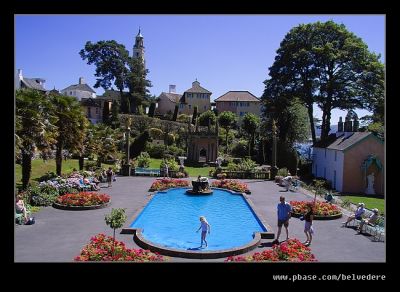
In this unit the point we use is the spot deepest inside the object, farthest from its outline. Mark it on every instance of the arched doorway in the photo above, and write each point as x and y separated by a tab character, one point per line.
203	155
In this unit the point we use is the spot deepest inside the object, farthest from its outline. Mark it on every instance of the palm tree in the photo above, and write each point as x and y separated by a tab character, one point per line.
35	127
71	125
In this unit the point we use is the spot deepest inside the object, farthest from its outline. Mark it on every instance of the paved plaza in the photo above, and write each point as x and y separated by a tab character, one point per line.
59	235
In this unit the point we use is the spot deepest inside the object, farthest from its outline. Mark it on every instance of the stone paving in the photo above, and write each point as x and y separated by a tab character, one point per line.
59	235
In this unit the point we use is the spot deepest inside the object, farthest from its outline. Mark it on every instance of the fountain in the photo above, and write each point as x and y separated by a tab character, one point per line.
200	187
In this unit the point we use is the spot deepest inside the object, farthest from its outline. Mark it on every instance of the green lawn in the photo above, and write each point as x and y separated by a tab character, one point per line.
193	171
39	168
370	203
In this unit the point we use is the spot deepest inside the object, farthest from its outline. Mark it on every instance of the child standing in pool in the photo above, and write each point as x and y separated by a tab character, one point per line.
204	226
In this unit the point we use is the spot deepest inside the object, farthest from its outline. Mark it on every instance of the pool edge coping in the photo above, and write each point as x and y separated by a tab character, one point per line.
146	244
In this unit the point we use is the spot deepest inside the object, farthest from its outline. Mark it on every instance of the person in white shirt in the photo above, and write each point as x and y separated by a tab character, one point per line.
371	220
204	226
357	214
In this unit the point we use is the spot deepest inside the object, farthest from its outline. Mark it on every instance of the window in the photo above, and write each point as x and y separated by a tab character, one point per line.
335	155
181	105
325	152
324	172
205	107
89	115
241	114
70	93
190	106
97	111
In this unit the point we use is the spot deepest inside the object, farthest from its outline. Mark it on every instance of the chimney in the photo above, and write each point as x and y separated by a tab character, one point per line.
19	72
82	80
348	125
172	88
356	124
340	125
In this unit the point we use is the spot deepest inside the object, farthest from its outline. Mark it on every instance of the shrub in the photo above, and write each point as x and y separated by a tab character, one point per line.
143	160
172	164
174	151
283	172
104	248
90	165
83	199
163	184
221	175
291	250
246	165
44	195
240	149
320	208
230	184
155	151
321	186
47	176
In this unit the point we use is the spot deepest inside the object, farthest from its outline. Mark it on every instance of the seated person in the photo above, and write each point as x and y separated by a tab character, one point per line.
92	185
20	208
287	180
371	220
328	198
357	214
103	176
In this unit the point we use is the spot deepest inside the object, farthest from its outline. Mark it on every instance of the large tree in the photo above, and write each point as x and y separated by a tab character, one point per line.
293	126
137	84
71	125
324	63
35	127
207	119
227	120
112	66
250	124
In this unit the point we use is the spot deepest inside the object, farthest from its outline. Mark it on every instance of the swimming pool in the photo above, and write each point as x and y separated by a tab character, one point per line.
171	219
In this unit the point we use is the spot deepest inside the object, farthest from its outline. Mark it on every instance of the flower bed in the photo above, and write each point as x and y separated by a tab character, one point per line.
101	246
163	184
231	184
82	201
322	210
291	250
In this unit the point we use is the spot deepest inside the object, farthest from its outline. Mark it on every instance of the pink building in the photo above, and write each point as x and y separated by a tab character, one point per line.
239	102
348	159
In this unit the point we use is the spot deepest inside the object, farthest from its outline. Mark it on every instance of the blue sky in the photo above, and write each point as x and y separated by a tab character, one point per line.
224	52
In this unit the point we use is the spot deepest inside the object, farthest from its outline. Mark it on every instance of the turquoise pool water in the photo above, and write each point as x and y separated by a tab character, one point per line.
171	219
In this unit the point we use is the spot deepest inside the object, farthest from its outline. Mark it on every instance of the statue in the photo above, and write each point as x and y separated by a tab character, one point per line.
181	160
370	187
219	161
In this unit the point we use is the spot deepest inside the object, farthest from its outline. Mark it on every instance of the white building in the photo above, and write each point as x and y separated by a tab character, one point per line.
22	82
80	90
348	157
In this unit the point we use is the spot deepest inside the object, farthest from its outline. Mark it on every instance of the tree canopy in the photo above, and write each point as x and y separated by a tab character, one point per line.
324	63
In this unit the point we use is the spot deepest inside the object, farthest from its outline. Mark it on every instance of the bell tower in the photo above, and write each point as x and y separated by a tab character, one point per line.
138	48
